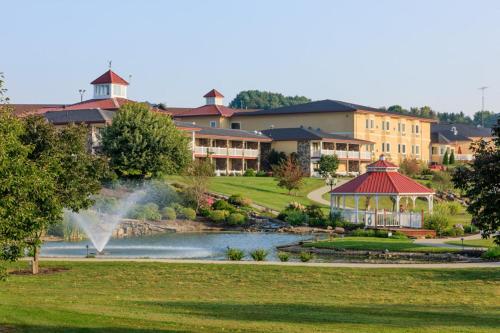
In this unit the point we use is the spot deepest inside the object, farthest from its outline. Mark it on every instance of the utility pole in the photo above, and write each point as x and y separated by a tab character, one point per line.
482	104
82	92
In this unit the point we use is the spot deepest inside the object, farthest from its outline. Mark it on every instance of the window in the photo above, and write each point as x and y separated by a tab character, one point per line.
235	125
399	148
213	124
417	150
441	151
434	150
403	149
399	127
367	124
386	147
403	127
372	123
386	125
416	129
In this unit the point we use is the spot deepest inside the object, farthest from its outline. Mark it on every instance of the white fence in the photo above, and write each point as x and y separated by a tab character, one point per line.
343	153
383	218
223	151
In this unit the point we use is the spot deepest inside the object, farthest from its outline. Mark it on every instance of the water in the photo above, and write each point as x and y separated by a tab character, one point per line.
177	245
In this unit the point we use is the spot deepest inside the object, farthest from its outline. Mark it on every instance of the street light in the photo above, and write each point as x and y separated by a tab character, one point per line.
331	181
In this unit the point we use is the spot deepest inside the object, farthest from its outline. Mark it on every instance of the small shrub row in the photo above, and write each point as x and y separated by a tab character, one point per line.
235	254
493	253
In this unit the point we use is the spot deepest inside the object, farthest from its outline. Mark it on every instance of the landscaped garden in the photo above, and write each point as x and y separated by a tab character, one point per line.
147	297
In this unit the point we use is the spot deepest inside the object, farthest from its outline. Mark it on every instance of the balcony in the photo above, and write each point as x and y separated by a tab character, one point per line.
464	157
223	151
342	154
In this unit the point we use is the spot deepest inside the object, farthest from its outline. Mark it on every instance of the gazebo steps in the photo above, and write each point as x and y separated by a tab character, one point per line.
410	232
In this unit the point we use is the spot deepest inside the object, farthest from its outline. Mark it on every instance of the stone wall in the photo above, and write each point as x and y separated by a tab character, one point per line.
304	155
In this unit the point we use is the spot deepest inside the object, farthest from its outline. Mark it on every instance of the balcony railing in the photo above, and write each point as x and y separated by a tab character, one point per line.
366	155
223	151
464	157
382	218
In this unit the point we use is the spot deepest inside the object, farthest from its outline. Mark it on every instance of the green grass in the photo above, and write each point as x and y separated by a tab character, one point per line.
474	242
155	297
377	244
262	190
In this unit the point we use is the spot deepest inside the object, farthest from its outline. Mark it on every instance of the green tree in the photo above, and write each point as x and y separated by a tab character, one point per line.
480	182
485	118
289	174
256	99
328	165
446	158
272	159
142	144
197	179
452	158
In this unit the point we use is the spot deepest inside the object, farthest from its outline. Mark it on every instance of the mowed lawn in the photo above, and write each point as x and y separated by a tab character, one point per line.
158	297
377	244
474	242
263	191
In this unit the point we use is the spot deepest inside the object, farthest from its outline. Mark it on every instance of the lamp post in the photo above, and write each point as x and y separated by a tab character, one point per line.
332	182
87	246
82	92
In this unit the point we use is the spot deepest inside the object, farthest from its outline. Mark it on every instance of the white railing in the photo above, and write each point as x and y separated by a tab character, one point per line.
366	155
344	154
235	152
251	152
383	219
316	153
199	150
464	157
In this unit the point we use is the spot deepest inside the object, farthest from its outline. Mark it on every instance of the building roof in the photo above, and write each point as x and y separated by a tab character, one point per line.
463	130
80	116
105	104
302	133
213	93
205	110
324	106
447	137
230	133
109	77
21	110
382	177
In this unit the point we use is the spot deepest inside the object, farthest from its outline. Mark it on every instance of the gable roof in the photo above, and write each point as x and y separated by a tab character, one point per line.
213	93
447	137
105	104
205	110
80	116
109	77
302	133
463	130
21	110
324	106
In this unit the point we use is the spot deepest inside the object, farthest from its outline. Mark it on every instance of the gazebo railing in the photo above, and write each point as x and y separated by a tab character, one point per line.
381	219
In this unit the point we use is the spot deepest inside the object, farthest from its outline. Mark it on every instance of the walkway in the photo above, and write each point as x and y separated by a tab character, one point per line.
317	194
440	242
274	263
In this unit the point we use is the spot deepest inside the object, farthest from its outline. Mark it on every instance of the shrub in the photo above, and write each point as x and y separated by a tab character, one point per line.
234	254
306	256
410	167
471	229
239	200
249	173
314	211
296	218
438	222
148	211
399	235
442	181
283	256
160	193
453	232
261	174
349	226
493	253
236	219
218	216
188	213
168	213
204	211
454	208
259	254
223	205
177	207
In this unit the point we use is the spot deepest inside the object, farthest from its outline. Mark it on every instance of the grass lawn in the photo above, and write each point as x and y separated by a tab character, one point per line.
262	190
474	242
157	297
377	244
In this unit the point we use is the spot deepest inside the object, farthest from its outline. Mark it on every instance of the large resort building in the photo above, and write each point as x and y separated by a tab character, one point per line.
238	139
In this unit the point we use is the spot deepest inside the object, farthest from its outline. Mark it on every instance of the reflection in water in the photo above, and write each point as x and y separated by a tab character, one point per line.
178	246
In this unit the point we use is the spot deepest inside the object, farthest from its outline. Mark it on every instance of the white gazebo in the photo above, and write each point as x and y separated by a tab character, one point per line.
381	179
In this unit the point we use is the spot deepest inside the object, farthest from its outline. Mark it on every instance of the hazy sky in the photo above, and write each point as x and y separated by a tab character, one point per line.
375	53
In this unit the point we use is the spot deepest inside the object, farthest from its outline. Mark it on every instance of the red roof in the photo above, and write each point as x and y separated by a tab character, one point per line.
22	110
382	177
109	77
206	110
213	93
104	104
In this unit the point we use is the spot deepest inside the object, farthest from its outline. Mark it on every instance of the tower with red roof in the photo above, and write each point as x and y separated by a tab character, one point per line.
109	85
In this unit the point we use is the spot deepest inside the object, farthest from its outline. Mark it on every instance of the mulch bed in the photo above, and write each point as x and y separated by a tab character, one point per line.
48	270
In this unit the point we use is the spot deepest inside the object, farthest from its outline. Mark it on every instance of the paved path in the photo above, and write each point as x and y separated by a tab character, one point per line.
317	194
274	263
440	242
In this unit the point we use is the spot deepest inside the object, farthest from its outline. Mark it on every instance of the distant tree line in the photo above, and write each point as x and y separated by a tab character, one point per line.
256	99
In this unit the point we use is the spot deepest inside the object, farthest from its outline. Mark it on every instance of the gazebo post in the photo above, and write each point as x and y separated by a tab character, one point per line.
398	210
430	201
356	200
343	202
413	199
331	203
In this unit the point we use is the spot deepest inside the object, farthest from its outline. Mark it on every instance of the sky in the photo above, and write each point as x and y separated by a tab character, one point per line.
375	53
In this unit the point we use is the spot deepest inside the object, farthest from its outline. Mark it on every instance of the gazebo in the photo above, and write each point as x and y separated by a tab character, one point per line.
382	179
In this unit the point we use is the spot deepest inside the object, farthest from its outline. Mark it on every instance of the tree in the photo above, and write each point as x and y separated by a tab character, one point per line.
410	167
445	158
272	159
480	182
142	144
256	99
457	118
289	174
452	158
328	165
197	179
485	118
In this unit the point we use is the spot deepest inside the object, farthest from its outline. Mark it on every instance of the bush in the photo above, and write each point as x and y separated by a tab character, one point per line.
453	232
399	235
219	216
236	219
160	193
349	226
493	253
249	173
314	212
410	167
239	200
188	213
436	221
204	211
454	208
261	174
369	233
168	213
234	254
471	229
259	254
306	256
148	211
283	256
442	181
296	218
223	205
177	207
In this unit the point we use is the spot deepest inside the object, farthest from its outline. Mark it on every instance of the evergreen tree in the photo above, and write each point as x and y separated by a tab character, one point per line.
256	99
445	158
452	158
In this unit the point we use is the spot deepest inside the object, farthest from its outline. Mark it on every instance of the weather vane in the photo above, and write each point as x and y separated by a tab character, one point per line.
109	62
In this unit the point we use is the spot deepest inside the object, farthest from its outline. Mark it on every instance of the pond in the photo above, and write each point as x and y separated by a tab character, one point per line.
177	245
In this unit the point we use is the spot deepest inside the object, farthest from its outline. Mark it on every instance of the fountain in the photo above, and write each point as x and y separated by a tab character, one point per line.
99	226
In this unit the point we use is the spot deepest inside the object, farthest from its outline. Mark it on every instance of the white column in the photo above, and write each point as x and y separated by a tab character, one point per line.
356	200
331	202
430	200
413	199
343	201
376	202
398	210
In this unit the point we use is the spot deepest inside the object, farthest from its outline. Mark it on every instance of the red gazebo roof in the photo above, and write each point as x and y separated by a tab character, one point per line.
213	93
382	177
109	77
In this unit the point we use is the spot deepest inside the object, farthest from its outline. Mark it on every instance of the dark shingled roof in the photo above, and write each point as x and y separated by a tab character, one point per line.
80	116
322	106
465	130
302	133
446	138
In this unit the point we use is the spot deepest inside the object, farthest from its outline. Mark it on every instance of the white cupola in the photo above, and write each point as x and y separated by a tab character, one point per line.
109	85
213	97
